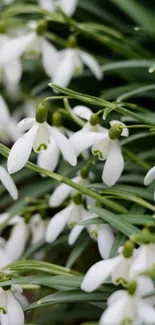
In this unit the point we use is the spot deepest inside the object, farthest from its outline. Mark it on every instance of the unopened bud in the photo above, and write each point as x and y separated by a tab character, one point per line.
41	27
132	287
84	172
115	131
41	113
128	249
94	120
72	43
57	119
77	198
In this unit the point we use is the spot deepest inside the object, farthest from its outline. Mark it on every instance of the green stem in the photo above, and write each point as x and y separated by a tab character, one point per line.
75	118
4	151
136	116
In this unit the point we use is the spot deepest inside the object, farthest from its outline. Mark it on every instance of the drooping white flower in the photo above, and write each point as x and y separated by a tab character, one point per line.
10	73
14	48
68	6
63	191
127	308
38	138
149	178
18	235
8	183
144	259
105	148
117	267
103	234
11	312
71	63
8	125
71	216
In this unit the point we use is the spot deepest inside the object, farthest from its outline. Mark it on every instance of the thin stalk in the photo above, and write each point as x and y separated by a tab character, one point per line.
4	151
136	159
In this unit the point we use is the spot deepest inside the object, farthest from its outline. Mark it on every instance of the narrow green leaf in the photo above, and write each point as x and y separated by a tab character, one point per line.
116	221
135	92
118	242
79	247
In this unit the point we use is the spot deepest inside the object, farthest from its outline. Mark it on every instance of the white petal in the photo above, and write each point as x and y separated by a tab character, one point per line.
115	296
63	74
60	194
58	223
64	145
4	112
82	111
47	4
49	58
117	312
23	301
48	159
125	131
13	72
82	140
98	273
92	64
114	165
74	234
102	148
144	285
122	269
14	48
15	311
8	183
68	6
143	260
146	313
105	240
19	235
150	176
26	124
37	227
41	138
4	258
21	150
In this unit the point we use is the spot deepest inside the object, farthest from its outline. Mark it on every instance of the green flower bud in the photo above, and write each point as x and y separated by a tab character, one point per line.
132	287
72	43
94	120
115	131
2	28
41	113
128	249
84	172
41	27
77	198
57	119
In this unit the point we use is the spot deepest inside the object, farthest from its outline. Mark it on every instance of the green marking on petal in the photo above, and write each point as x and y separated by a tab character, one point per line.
72	224
3	310
121	281
42	146
98	153
127	321
94	234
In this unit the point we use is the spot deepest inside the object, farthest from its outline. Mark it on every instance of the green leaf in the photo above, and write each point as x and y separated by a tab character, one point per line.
69	297
118	242
135	92
134	219
38	266
79	247
116	221
48	281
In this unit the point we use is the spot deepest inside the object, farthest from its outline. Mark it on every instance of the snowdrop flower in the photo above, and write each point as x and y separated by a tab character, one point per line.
106	148
71	62
38	137
10	72
31	41
116	267
68	6
71	216
149	178
8	125
128	307
144	259
8	183
63	191
18	235
103	234
11	312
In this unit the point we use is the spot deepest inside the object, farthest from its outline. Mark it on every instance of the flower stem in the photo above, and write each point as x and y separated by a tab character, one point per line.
4	151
